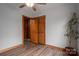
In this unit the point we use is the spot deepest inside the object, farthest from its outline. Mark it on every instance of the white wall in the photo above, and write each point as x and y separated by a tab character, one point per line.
57	16
11	24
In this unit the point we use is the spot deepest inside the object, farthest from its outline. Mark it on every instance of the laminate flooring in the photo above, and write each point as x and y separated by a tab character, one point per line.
39	50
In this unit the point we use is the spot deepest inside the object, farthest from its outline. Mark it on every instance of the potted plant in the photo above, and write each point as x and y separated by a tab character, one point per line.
72	32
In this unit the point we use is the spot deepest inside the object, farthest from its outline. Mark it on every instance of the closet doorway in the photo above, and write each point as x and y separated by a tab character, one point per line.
33	30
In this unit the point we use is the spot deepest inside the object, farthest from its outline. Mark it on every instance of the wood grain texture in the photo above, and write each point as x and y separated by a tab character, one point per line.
40	50
42	29
34	30
22	30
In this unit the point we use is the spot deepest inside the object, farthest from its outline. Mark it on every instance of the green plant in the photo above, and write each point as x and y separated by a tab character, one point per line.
72	32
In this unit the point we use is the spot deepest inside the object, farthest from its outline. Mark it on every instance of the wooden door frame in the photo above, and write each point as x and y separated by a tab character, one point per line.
45	30
23	45
23	29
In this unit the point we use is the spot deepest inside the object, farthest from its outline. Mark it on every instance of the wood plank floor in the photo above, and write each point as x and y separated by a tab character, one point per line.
39	50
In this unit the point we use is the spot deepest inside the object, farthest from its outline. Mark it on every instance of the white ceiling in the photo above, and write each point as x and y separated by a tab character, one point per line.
15	6
27	10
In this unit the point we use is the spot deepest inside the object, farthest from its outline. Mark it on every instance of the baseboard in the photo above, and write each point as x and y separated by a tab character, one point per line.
51	46
6	49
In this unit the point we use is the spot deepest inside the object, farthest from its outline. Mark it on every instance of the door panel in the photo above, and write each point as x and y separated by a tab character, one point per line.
42	30
25	27
34	38
41	27
34	30
41	38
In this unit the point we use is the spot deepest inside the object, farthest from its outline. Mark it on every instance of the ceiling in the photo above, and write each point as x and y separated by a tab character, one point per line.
28	10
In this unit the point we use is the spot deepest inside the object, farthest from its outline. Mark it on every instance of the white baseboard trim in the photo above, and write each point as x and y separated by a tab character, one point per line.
52	46
6	49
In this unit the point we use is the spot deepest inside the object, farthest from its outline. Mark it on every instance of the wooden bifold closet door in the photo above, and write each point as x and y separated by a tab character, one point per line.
37	29
42	30
34	30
